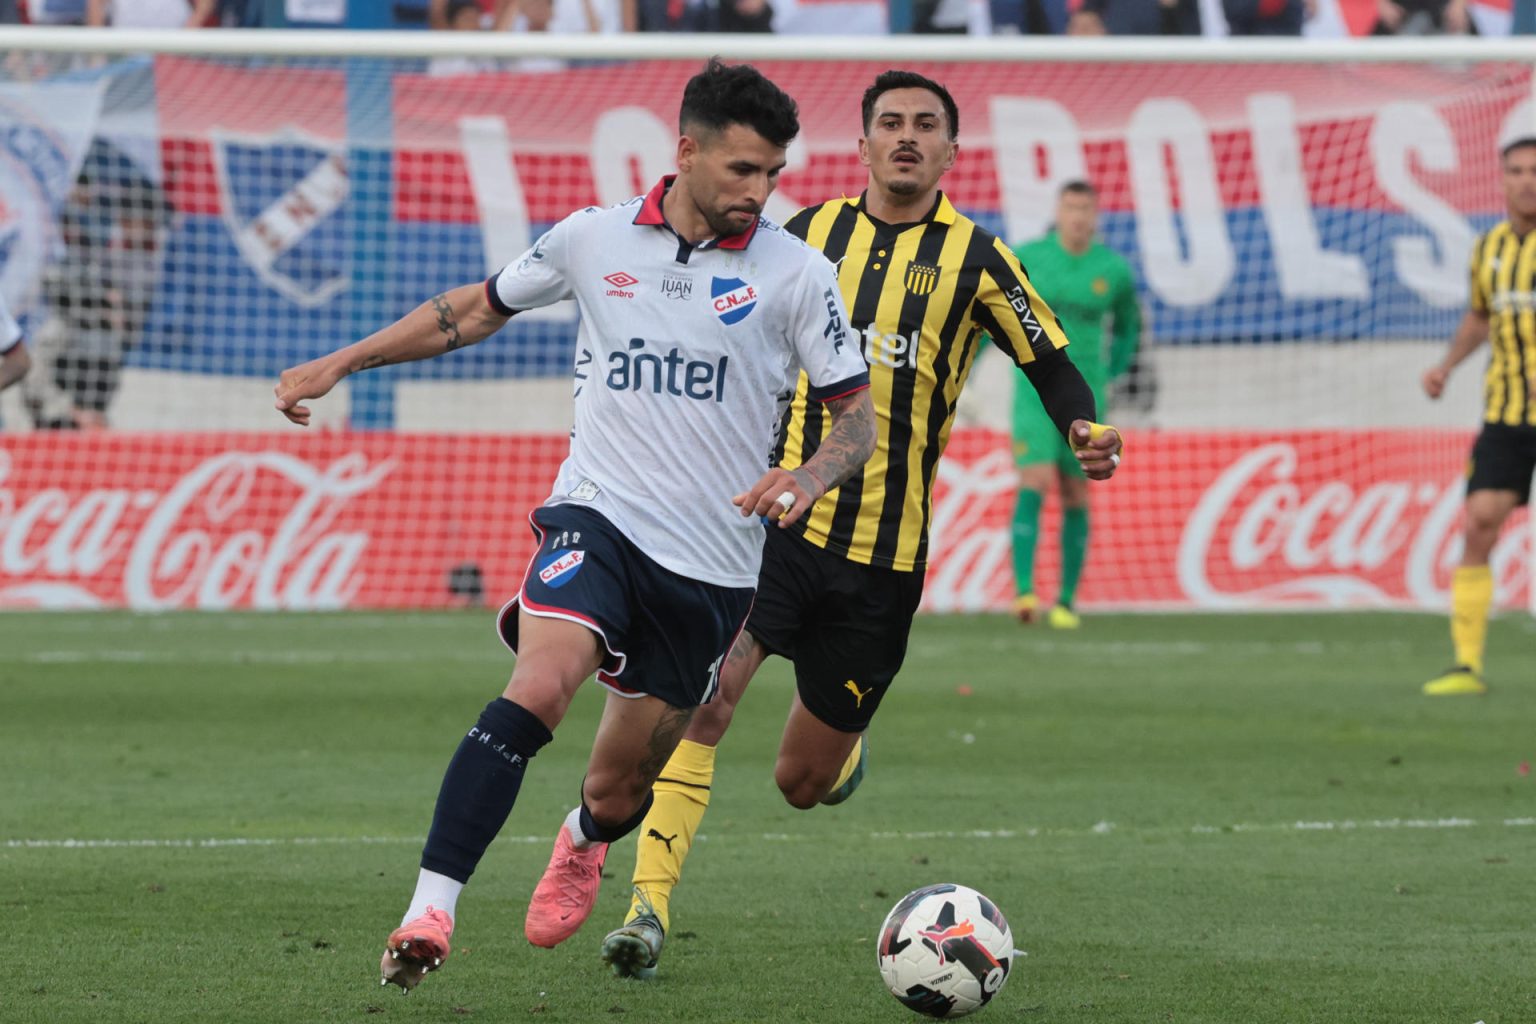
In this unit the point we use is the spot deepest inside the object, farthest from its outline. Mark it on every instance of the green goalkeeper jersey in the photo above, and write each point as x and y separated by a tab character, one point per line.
1095	297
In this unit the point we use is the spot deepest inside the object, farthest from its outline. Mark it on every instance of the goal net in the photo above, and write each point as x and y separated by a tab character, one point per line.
179	227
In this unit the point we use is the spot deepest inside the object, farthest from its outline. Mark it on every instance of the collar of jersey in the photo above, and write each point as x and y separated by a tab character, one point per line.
650	215
941	212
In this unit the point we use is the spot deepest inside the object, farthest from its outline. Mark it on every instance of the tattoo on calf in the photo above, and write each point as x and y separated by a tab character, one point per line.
668	733
446	323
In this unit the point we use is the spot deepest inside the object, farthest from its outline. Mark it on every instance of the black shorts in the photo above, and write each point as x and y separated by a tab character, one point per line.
843	624
1503	459
666	634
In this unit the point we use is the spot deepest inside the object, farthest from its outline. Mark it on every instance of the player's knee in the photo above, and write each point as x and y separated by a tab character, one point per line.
711	721
802	790
612	799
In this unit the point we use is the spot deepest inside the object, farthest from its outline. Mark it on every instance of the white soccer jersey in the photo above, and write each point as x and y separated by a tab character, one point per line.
684	359
10	330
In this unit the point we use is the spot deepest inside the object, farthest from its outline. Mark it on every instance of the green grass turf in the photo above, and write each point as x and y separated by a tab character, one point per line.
1141	782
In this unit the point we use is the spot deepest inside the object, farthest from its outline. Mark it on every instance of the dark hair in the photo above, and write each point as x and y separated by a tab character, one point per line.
1079	187
725	94
457	7
888	80
1521	143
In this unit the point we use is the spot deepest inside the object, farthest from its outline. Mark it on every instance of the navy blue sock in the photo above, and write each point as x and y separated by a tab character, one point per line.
613	833
480	787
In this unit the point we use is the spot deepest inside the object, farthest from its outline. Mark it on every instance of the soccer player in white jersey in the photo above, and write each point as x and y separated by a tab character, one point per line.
697	317
14	360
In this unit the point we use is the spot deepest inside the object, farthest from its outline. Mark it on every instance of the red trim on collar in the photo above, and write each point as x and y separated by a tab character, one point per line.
650	215
740	241
650	210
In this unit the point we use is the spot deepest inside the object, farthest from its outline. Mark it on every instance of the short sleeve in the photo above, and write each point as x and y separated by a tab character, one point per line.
819	331
10	331
539	277
1479	300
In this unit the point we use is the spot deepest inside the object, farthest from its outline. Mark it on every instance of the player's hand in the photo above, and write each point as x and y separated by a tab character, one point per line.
781	495
1097	448
1434	381
307	380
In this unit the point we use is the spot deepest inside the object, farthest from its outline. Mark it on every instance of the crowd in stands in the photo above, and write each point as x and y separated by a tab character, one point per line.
1035	17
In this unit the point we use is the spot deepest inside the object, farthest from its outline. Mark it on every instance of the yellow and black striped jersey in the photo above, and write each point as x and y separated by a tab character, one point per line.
919	297
1504	288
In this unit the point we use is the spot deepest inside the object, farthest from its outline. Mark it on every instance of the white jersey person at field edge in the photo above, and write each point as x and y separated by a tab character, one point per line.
14	359
697	317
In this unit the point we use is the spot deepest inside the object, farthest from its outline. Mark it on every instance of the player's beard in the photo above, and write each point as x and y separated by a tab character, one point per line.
724	225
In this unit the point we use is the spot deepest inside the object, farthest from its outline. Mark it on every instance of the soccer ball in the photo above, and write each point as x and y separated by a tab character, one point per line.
945	950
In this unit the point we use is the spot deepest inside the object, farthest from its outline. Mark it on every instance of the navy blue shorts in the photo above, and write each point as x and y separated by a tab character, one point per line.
666	635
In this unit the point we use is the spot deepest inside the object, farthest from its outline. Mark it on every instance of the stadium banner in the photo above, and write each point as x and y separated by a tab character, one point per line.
351	520
45	130
1256	202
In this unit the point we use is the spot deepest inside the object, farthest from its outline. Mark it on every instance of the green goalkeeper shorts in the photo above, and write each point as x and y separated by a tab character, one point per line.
1036	441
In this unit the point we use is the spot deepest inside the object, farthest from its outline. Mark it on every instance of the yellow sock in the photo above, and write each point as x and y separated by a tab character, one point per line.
848	766
682	796
1471	597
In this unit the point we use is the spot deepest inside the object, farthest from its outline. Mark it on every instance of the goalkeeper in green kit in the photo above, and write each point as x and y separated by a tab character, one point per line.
1089	286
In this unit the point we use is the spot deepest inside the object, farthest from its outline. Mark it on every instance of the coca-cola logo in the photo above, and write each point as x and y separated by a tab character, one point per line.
254	529
971	565
1270	529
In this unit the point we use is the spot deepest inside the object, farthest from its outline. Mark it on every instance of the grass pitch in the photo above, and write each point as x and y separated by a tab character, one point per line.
1201	819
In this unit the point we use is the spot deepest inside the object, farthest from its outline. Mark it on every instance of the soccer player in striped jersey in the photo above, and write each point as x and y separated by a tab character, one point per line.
837	592
1501	311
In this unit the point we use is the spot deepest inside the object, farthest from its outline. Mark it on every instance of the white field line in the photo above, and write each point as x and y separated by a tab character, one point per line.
1102	828
928	650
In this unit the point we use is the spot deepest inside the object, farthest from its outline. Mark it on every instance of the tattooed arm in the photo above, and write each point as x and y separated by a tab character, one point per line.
848	445
441	324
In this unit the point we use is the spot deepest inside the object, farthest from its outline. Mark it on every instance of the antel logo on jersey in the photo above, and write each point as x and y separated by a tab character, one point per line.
733	298
621	282
560	569
672	372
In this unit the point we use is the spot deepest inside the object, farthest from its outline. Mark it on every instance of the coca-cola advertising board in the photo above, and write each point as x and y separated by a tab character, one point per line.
1324	519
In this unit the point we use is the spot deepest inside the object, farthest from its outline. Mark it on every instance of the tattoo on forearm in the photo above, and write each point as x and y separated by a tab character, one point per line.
850	442
369	363
668	733
446	322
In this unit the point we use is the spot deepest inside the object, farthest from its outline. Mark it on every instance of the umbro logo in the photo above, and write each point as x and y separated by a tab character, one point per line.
621	283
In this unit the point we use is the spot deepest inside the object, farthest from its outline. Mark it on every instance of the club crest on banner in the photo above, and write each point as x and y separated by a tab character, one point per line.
280	196
44	132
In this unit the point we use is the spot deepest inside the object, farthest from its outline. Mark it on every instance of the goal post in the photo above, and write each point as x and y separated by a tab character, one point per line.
190	212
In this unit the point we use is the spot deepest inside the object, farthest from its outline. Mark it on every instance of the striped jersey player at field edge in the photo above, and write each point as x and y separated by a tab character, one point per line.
837	592
1503	457
649	544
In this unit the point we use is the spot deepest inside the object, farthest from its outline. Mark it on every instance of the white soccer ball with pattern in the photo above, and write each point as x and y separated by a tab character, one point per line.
945	950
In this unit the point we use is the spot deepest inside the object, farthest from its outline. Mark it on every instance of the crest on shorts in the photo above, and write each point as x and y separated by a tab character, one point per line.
561	567
280	195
